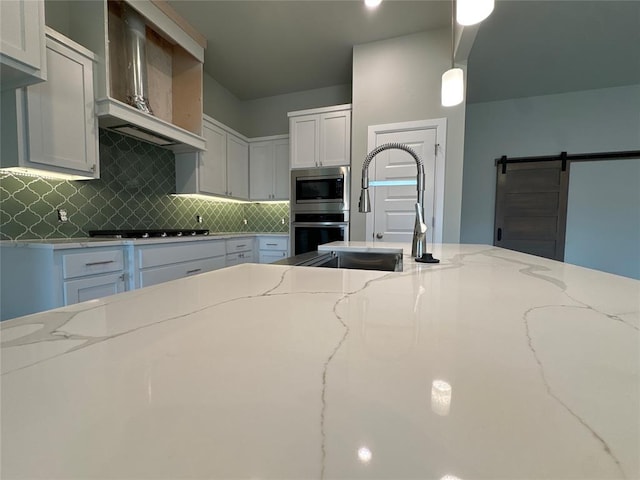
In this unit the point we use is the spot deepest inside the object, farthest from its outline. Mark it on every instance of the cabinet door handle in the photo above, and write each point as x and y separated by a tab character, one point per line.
195	270
105	262
272	244
240	246
499	235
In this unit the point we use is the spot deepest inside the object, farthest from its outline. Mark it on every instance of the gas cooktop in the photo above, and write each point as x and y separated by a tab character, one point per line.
149	233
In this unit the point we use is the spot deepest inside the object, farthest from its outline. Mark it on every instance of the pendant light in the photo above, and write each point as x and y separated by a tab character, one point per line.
470	12
453	79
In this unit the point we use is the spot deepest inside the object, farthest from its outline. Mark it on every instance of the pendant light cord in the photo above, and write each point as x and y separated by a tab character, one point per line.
453	30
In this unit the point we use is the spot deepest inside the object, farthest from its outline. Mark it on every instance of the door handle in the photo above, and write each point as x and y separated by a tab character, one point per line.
379	236
499	234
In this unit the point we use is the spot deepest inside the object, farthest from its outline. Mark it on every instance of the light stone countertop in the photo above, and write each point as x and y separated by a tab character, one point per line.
68	243
491	364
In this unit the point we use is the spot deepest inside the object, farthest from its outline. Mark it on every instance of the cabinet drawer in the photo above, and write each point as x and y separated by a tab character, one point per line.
270	257
156	255
239	245
166	273
92	262
273	243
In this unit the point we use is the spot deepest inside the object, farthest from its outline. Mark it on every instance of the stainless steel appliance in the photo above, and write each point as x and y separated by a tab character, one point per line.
319	207
320	189
308	230
148	233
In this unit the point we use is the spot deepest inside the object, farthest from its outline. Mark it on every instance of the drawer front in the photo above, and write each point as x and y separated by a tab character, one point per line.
166	254
166	273
239	245
270	257
274	243
91	262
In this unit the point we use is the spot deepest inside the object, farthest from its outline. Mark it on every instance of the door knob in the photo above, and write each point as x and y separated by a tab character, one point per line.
379	236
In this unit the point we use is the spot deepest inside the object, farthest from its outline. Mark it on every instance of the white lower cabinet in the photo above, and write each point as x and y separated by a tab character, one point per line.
92	274
239	250
40	276
37	279
272	248
170	261
84	289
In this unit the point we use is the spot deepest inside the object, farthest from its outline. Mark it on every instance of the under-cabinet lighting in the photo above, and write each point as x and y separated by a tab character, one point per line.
210	198
44	174
372	3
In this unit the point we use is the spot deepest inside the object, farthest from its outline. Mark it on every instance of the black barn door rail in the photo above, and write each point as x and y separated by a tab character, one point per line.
564	157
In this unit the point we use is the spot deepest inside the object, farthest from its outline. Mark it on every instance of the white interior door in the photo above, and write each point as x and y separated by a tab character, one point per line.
393	185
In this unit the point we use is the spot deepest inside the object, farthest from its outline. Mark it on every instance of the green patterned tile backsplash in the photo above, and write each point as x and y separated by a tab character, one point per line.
133	192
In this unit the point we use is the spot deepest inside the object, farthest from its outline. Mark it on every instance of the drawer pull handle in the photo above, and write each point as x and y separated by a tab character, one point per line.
240	246
189	272
91	264
272	244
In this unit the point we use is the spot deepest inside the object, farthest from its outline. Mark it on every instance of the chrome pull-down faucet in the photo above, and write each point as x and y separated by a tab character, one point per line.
419	240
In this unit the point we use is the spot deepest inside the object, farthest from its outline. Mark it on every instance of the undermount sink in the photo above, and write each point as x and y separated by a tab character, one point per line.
388	262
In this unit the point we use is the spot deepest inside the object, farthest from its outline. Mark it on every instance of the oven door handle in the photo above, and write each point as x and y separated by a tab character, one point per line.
320	224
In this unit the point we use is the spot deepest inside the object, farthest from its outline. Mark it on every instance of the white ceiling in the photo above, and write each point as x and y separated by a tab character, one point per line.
262	48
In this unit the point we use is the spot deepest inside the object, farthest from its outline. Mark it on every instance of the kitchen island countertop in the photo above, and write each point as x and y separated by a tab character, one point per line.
490	364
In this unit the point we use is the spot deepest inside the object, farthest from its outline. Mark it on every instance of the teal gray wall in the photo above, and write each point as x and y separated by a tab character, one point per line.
268	116
398	80
134	191
603	224
265	116
577	122
221	104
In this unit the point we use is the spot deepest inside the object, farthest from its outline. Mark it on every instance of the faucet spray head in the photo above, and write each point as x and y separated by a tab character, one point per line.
364	205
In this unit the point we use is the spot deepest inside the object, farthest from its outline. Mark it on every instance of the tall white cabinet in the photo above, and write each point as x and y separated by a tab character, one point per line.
22	51
51	126
269	168
320	137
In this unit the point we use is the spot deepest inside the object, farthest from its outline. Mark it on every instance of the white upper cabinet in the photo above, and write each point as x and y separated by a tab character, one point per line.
56	131
212	164
320	137
269	169
237	167
22	43
173	66
222	170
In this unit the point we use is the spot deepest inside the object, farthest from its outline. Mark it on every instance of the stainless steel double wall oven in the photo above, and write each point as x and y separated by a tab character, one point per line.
319	207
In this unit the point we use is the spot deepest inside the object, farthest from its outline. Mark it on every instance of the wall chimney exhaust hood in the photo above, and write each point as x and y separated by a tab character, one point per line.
150	85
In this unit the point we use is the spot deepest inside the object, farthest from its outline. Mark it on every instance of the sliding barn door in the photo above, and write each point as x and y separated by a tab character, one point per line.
531	207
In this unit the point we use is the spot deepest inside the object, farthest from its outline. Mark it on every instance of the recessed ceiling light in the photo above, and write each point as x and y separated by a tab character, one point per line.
372	3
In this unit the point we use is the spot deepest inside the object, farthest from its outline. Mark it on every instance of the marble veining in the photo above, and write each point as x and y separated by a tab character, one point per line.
265	371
